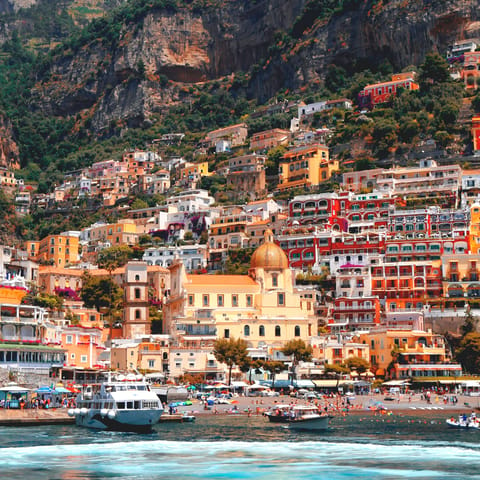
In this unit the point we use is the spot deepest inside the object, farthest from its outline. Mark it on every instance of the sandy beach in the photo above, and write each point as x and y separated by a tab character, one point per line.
402	405
412	405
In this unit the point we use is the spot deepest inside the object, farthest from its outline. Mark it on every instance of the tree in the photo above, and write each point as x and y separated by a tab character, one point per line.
230	351
44	300
273	367
434	70
476	103
299	351
358	364
468	352
469	325
138	204
114	257
102	293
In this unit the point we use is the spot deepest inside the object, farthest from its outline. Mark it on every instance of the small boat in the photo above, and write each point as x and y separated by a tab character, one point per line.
464	422
118	405
299	417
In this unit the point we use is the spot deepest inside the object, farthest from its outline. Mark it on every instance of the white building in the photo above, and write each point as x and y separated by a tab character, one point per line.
194	257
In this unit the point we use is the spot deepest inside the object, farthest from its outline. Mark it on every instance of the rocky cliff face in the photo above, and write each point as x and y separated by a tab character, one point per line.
124	85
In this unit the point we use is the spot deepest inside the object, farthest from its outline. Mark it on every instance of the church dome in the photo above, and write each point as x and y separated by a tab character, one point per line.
269	255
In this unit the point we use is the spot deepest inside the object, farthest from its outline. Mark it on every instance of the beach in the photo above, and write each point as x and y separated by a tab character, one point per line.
403	404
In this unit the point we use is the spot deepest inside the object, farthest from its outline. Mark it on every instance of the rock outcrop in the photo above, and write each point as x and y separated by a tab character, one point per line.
125	84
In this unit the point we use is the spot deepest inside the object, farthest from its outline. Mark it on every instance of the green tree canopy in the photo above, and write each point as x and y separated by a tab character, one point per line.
434	70
357	364
468	352
230	351
44	300
102	293
114	257
299	350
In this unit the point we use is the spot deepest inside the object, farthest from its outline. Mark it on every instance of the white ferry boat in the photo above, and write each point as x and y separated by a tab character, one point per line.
118	405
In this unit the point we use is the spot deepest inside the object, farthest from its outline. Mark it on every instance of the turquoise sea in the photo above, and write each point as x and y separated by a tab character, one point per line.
238	447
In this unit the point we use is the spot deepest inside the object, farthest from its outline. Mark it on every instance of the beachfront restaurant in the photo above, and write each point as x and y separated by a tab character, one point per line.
12	395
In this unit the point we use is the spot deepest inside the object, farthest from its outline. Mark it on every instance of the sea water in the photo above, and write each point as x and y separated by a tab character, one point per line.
241	447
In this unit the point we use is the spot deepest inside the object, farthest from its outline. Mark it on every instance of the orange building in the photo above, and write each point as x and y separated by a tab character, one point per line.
59	250
476	133
83	346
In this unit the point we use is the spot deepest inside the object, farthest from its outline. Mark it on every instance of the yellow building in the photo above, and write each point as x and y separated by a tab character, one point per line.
306	166
401	353
124	232
262	307
59	250
474	227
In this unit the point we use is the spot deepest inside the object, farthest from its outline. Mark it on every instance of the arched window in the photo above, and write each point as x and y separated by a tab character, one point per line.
275	280
261	331
137	314
246	330
137	278
297	331
137	293
278	331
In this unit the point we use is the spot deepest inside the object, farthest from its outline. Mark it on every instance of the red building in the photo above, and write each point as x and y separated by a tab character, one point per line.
377	93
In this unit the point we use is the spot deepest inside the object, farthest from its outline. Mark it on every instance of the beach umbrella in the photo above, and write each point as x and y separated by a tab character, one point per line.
191	387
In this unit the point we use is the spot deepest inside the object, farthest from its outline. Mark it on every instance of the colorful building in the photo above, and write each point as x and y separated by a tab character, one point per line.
377	93
262	308
59	250
306	166
417	355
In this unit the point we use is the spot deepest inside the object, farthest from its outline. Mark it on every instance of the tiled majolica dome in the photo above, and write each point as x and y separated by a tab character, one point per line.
269	255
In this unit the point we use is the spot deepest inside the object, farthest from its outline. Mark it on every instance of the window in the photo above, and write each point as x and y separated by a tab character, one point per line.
261	331
297	331
226	333
137	293
278	331
72	356
83	359
137	278
206	300
151	363
69	339
220	300
275	280
137	314
281	299
235	300
190	300
246	330
249	300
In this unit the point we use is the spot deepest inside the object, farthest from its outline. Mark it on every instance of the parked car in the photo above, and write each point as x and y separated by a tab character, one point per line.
269	393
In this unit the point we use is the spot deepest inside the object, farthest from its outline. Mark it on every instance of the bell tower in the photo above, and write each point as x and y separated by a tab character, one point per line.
136	321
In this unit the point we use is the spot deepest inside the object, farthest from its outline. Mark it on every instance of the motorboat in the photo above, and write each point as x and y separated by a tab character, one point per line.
299	417
464	421
123	405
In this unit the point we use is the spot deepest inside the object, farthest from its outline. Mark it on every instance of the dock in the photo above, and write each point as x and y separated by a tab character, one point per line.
31	417
176	417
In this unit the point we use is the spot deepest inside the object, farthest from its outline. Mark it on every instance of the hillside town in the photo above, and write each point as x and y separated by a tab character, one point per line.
377	264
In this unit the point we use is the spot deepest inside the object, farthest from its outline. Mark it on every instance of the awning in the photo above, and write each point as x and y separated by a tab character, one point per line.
332	383
14	388
395	383
304	383
239	384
